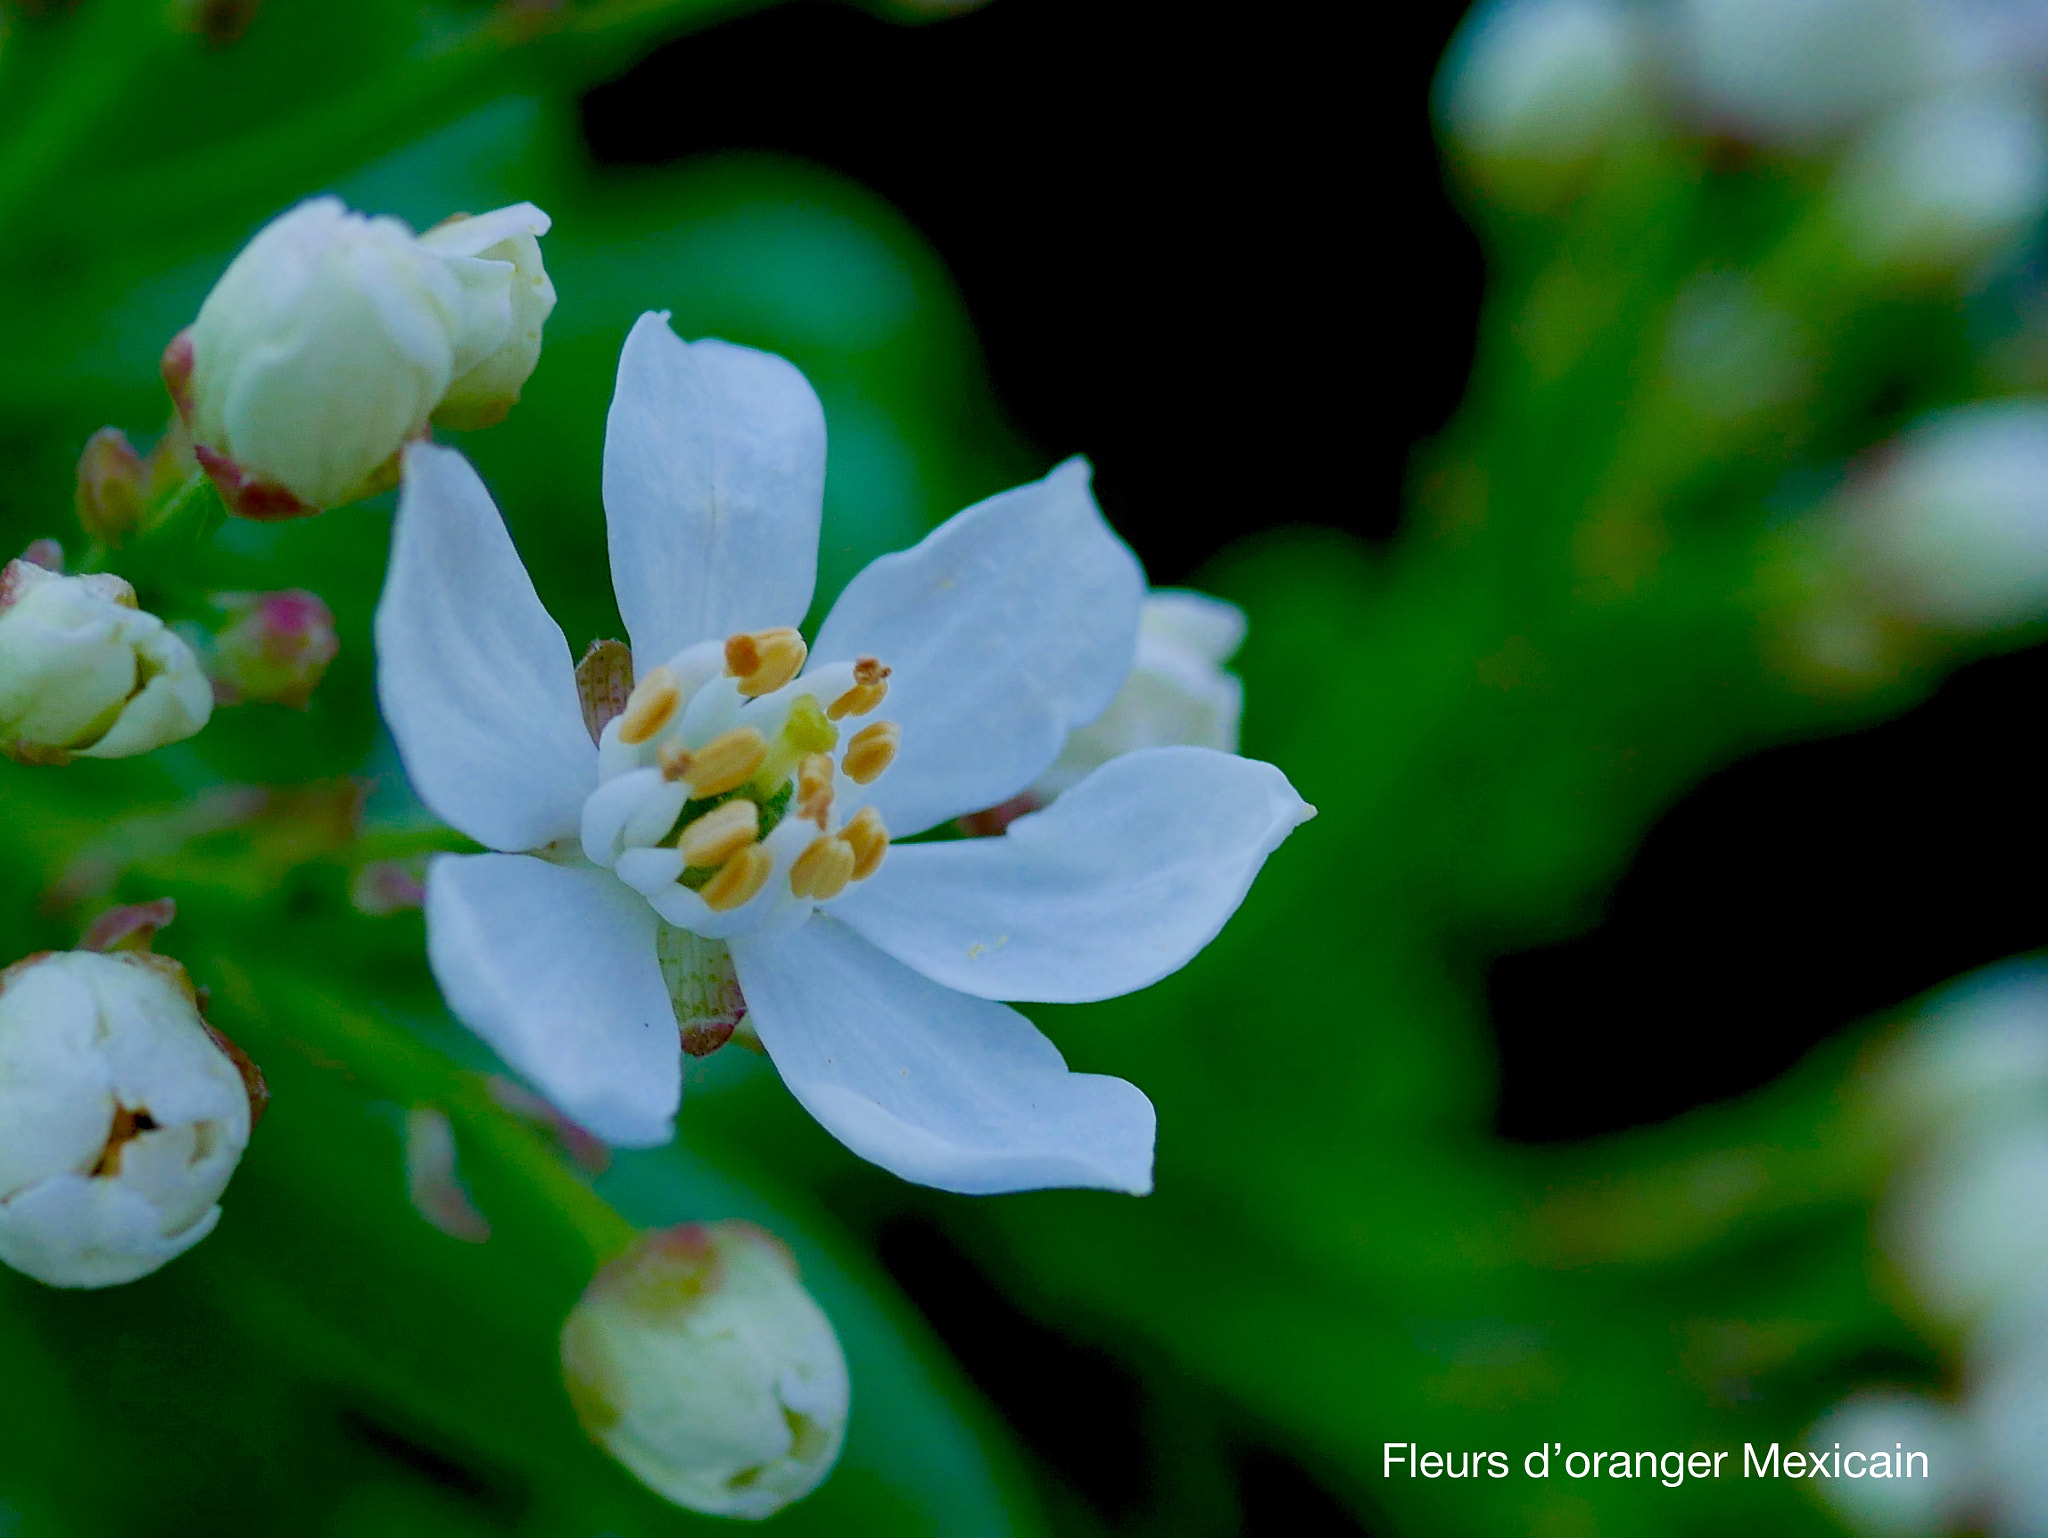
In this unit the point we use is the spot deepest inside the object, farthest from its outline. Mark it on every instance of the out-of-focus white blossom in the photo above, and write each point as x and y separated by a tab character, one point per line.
1952	530
1534	84
334	338
1894	1424
1177	692
1794	70
698	1360
1948	181
121	1117
84	671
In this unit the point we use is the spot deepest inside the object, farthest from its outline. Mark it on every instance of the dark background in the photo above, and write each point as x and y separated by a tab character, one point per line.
1215	253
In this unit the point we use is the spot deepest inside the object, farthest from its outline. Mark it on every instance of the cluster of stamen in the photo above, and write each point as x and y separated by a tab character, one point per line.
742	783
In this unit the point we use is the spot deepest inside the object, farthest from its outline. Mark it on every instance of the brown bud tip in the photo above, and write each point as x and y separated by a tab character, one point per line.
112	486
246	496
46	553
177	371
132	927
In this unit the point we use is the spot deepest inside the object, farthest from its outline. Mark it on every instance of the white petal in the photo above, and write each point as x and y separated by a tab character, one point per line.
1208	627
476	235
554	966
1008	626
474	677
714	481
932	1085
1119	882
74	1231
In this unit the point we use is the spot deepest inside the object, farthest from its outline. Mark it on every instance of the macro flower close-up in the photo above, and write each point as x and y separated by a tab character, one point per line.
810	764
713	837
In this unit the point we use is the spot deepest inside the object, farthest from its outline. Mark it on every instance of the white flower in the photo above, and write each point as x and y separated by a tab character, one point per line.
334	338
1539	82
121	1119
1947	181
1797	69
1177	691
871	982
83	671
1888	1424
1952	530
699	1362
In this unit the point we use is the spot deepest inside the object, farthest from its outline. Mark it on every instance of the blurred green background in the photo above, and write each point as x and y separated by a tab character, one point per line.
1627	1208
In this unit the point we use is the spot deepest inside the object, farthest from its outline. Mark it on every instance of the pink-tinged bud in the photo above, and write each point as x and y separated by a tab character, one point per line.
131	927
384	887
112	486
46	553
274	649
260	501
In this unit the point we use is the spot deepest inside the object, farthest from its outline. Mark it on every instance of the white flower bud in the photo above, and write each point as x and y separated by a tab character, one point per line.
1952	532
699	1362
121	1117
501	342
1177	691
83	671
1948	181
333	339
1941	1490
1794	70
1528	84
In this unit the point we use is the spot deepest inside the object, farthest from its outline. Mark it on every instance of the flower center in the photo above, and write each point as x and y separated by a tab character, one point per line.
725	777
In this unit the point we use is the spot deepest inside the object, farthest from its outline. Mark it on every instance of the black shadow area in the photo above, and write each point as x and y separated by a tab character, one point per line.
1783	899
1208	247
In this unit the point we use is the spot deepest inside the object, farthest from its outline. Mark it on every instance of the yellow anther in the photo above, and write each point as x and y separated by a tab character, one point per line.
870	688
869	841
675	762
814	788
872	750
720	834
765	660
738	879
650	706
726	762
823	869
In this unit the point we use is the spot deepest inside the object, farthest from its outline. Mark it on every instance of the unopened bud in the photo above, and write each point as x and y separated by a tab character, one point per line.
1792	71
1177	691
121	1117
1951	531
698	1360
502	343
1947	182
1532	88
333	339
112	486
83	671
274	648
